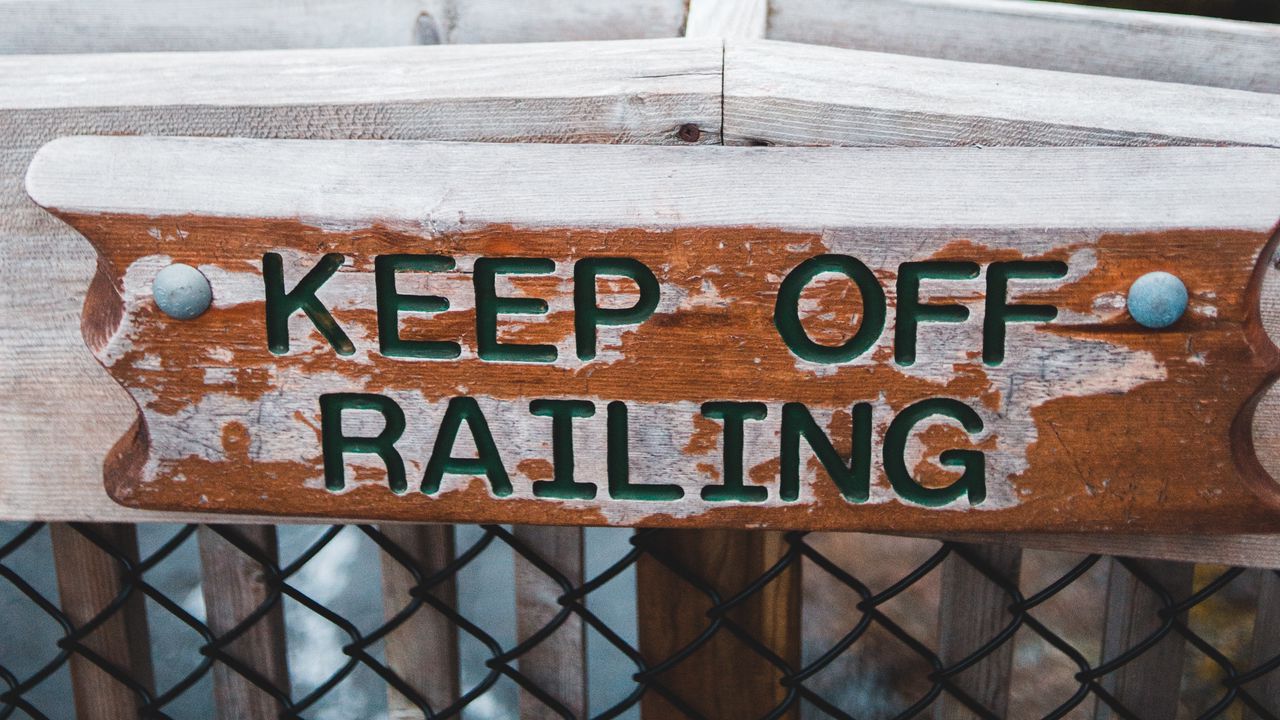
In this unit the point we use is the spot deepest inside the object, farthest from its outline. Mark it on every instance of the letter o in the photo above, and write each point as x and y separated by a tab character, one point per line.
786	312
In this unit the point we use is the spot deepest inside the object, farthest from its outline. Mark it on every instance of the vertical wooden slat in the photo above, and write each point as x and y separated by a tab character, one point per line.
88	581
1266	643
738	19
558	663
972	611
723	678
1147	685
234	586
424	650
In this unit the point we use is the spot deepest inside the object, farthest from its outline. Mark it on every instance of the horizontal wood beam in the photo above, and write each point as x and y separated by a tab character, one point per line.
655	188
69	390
62	413
779	93
792	94
454	195
1044	35
87	26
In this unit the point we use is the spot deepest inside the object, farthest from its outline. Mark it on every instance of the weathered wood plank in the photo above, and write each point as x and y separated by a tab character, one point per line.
779	93
86	26
423	651
1045	35
89	580
1148	684
1260	551
654	188
77	494
197	449
1266	644
235	587
557	664
744	19
490	21
618	92
790	94
675	613
975	611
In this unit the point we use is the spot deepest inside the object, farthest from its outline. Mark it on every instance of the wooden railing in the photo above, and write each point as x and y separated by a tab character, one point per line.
730	83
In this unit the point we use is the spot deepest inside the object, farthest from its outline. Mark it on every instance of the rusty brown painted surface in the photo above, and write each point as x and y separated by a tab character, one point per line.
1091	422
1122	457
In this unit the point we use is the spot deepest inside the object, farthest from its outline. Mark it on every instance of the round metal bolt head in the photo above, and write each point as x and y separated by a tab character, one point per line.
182	292
1157	299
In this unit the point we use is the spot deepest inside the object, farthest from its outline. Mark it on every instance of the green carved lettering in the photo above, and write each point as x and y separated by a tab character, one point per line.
620	485
587	316
911	311
1000	313
854	479
280	305
786	314
732	488
973	480
489	306
488	462
391	303
334	443
562	485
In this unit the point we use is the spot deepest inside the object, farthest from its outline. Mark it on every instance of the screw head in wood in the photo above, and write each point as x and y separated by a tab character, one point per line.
689	132
182	292
1157	299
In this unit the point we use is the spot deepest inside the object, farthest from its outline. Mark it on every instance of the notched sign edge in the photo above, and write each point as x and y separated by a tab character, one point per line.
1266	347
105	309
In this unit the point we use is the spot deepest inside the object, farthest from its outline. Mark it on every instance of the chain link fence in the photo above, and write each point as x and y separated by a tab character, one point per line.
870	642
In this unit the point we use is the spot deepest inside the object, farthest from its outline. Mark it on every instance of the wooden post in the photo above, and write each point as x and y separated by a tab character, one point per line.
973	611
558	663
424	650
235	586
723	678
744	19
1147	685
88	581
1266	643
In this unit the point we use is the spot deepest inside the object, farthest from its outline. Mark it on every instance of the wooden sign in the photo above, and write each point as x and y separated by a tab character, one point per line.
922	340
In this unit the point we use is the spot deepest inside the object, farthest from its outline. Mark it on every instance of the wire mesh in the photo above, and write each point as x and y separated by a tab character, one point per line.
862	630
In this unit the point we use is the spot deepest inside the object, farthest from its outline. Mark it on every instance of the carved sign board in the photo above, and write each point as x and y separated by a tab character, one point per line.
922	340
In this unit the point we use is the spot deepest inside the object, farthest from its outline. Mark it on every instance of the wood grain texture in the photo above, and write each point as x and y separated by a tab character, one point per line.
778	93
676	613
1147	685
790	94
86	26
89	581
1098	383
622	92
63	263
235	587
743	19
1266	645
651	188
977	612
1260	551
558	663
423	651
1044	35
